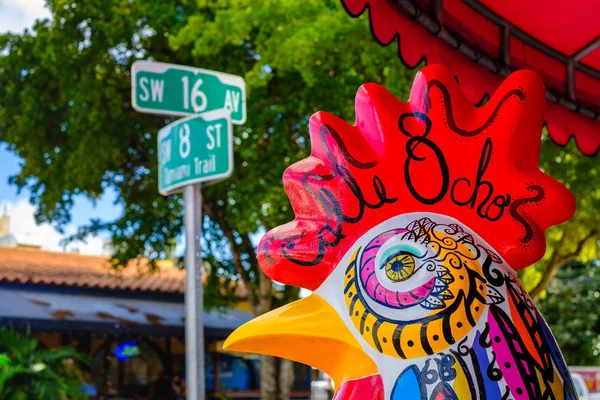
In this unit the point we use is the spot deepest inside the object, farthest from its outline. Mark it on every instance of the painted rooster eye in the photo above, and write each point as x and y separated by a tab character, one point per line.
399	267
416	289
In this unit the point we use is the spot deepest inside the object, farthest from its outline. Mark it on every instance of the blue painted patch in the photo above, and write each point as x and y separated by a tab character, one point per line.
492	391
408	385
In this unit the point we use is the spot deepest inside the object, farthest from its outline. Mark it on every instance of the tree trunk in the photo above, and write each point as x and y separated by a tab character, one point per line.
276	378
276	375
559	258
268	378
551	269
286	379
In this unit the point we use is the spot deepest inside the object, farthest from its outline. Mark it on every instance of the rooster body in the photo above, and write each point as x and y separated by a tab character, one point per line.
410	227
493	345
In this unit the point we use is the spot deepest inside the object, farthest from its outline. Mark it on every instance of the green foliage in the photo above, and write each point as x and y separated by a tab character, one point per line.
582	176
28	371
65	108
578	238
571	310
571	300
297	58
579	173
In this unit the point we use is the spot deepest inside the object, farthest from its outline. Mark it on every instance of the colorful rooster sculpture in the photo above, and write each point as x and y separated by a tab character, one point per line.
410	227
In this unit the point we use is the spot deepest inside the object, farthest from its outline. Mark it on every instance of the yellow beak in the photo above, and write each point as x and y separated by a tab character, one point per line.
309	331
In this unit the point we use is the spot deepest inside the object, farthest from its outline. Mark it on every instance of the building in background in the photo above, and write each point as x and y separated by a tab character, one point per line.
12	239
131	322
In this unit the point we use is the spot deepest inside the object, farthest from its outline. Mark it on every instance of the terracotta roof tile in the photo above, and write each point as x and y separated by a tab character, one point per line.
31	266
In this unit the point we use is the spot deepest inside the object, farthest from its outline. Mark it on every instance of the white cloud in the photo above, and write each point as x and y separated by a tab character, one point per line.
22	225
16	15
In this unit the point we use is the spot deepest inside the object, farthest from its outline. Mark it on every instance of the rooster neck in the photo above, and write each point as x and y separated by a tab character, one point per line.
507	353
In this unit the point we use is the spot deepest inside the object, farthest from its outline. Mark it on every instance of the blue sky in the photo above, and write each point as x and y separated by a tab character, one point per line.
16	15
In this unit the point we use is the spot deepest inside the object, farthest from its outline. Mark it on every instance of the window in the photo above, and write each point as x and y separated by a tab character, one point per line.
235	373
130	377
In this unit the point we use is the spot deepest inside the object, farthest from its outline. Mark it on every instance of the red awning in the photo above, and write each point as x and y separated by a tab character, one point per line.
481	42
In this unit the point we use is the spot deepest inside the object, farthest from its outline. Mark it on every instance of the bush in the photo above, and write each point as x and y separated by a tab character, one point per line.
30	372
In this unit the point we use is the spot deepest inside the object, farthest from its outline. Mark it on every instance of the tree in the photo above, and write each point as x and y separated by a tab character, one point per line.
28	371
65	109
578	238
571	310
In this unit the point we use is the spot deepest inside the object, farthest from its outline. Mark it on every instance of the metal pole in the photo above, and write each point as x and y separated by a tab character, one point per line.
194	326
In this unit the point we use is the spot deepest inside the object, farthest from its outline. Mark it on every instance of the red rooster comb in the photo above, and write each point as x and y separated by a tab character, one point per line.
437	153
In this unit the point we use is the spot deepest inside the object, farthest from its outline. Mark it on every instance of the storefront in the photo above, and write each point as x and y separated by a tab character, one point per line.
132	326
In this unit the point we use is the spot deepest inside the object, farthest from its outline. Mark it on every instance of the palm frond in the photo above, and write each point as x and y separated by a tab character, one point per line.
37	373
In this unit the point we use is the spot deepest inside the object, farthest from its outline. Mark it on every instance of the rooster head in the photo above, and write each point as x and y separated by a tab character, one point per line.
409	228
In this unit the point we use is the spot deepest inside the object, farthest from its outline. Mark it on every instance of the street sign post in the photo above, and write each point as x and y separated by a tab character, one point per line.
194	302
194	150
191	151
170	89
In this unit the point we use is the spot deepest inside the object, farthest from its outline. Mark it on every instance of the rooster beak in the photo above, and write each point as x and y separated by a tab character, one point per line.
309	331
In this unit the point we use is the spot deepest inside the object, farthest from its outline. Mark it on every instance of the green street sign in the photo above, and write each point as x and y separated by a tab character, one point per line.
195	149
159	88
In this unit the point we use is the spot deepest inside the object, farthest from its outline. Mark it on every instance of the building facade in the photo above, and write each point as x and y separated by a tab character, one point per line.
131	323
